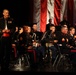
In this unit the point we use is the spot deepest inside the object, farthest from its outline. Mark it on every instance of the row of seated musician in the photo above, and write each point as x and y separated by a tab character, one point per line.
26	41
50	39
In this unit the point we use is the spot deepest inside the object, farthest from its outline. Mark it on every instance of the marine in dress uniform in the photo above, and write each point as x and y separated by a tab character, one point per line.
7	28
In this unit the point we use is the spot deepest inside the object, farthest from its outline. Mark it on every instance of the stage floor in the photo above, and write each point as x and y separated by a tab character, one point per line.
43	67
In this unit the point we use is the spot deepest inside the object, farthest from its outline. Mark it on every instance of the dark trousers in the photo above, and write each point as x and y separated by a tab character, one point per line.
54	53
5	53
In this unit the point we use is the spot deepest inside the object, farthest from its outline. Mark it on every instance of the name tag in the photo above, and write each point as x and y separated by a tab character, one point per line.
9	22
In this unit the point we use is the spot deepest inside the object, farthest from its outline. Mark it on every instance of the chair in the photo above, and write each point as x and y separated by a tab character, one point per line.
34	53
15	51
73	51
62	61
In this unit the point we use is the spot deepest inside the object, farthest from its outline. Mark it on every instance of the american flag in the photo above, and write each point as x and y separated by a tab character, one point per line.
54	9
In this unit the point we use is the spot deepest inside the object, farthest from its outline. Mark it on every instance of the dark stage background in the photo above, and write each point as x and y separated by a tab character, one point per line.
20	10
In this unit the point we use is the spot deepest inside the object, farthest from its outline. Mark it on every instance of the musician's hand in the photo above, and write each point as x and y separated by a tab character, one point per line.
34	42
5	30
38	44
13	45
63	39
30	47
71	46
55	41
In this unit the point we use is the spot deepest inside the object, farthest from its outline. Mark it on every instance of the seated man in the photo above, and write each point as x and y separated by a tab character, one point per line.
49	24
36	39
72	38
24	42
63	40
50	38
72	45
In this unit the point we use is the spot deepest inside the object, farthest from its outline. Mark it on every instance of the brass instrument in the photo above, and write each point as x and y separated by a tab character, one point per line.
35	41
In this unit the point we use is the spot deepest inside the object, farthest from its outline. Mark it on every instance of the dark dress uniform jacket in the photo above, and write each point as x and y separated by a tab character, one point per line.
5	42
64	48
10	25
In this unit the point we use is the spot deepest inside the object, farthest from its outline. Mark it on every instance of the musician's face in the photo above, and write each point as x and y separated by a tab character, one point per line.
16	29
34	27
72	31
52	29
21	30
6	13
64	30
29	29
50	21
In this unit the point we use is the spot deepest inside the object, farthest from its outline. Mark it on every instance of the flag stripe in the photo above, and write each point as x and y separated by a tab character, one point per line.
54	9
36	13
57	5
74	12
43	15
70	11
63	9
50	10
